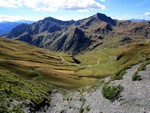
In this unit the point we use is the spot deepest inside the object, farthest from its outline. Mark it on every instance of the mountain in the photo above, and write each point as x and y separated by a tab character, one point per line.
6	27
110	57
83	35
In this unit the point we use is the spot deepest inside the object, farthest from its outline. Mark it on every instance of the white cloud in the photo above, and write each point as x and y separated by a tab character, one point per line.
65	18
8	3
103	0
16	18
124	17
53	5
147	14
84	10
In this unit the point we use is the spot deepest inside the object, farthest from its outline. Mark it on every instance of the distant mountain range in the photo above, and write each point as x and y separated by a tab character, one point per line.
139	20
6	26
82	35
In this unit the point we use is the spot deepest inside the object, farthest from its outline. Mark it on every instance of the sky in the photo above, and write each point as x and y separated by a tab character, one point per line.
15	10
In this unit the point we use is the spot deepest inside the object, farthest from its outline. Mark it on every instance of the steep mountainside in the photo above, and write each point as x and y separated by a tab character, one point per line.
77	36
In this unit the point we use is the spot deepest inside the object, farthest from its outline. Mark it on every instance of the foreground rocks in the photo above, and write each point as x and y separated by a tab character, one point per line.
135	97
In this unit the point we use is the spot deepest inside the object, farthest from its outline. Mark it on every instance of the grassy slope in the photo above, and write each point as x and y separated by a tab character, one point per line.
40	64
27	72
109	61
45	66
13	87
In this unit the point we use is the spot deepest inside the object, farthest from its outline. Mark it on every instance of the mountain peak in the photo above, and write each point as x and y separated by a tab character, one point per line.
100	14
105	18
57	21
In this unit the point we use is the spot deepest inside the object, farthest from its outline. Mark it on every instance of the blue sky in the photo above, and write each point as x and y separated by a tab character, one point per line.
13	10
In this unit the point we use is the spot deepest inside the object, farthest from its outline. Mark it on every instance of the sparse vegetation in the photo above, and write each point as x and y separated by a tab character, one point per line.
17	109
119	75
87	108
81	110
111	92
136	77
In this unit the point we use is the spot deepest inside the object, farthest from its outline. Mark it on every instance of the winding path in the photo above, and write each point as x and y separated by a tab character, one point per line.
67	61
98	61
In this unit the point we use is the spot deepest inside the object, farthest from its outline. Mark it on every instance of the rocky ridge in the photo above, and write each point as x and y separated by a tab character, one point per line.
91	32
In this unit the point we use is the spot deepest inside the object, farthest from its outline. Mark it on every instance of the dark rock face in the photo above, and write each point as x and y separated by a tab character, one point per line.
26	38
90	21
20	29
75	42
37	107
106	19
54	28
60	44
78	42
38	41
104	30
125	40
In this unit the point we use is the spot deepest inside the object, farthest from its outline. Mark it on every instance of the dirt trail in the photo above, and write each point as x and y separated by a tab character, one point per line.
97	63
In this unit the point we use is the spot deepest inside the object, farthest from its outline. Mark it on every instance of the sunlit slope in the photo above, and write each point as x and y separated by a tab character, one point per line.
40	64
111	61
60	69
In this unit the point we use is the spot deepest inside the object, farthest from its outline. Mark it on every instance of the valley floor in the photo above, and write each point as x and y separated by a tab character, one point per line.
135	97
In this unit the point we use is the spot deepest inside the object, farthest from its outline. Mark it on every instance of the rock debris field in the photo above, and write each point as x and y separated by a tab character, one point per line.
134	98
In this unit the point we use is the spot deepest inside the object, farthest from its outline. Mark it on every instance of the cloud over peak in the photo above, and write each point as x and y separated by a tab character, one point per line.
53	5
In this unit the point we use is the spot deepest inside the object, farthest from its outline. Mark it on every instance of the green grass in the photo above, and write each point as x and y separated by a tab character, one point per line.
81	110
111	92
40	64
14	87
87	109
109	62
45	66
119	75
137	77
28	72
